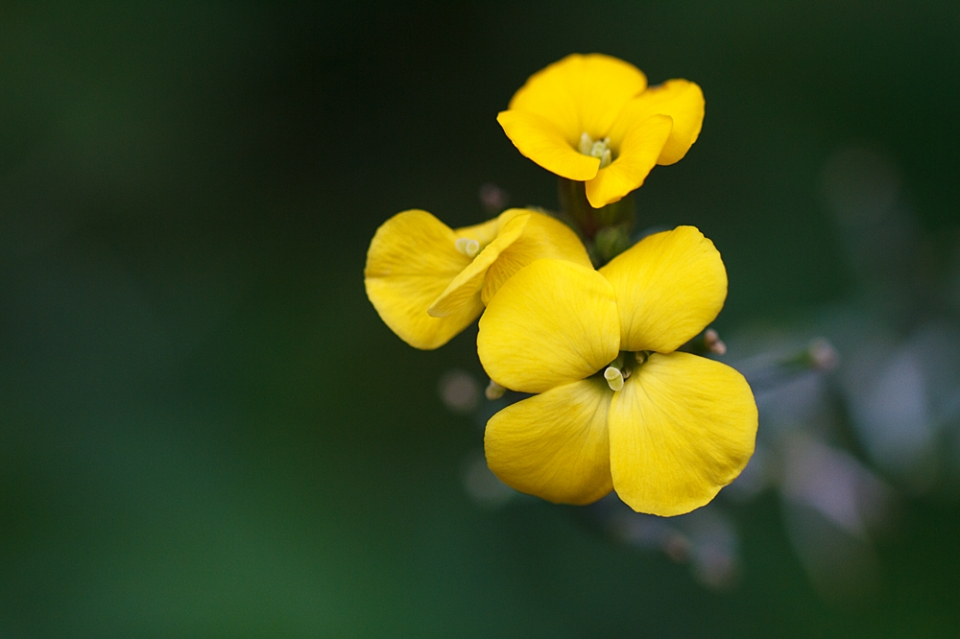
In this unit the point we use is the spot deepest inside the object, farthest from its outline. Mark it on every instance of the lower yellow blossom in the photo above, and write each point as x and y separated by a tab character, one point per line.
428	282
616	406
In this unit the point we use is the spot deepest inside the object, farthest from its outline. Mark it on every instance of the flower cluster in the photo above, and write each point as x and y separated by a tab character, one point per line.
613	405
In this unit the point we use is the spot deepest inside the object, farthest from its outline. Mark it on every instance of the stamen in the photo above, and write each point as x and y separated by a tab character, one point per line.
494	390
641	356
586	143
467	247
605	159
599	149
614	378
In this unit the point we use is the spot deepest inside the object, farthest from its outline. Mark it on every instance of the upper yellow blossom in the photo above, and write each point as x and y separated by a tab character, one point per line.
592	118
618	407
428	281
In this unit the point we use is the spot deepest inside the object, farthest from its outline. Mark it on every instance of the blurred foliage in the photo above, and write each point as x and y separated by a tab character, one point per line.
206	431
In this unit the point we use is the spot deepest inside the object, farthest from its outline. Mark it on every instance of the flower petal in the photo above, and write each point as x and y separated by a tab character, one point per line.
542	237
543	142
465	288
411	260
486	232
580	93
552	323
637	155
669	286
554	445
682	428
681	100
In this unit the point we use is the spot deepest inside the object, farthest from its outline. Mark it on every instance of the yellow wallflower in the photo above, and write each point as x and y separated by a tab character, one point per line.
617	407
428	281
592	118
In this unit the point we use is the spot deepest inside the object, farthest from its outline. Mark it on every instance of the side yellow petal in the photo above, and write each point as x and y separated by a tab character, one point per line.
543	142
486	232
669	286
554	445
552	323
411	260
636	155
681	100
542	237
466	287
682	428
580	94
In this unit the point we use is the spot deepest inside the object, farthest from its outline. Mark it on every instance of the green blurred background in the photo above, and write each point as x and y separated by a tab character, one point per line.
205	429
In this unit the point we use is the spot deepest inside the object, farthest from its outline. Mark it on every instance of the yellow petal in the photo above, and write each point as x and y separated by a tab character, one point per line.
552	323
682	428
580	94
554	445
543	142
681	100
542	237
669	286
486	232
466	287
411	260
636	156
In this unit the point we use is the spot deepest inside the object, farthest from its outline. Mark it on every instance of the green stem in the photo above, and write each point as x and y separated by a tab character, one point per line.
606	230
574	204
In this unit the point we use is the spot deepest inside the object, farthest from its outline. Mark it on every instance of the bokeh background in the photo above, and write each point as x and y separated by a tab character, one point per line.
205	429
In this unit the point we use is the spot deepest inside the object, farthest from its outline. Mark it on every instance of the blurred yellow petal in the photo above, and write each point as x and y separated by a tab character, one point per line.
542	237
669	286
682	428
554	445
681	100
636	156
552	323
465	288
411	260
580	94
540	140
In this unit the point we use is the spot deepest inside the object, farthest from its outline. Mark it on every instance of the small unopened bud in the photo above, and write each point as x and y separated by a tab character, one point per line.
706	343
614	378
494	390
611	241
823	355
468	247
713	343
677	547
493	198
459	391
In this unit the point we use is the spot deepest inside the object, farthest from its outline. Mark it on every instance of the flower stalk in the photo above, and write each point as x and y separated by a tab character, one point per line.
589	220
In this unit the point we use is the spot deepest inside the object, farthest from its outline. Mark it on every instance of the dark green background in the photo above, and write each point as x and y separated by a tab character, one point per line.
205	429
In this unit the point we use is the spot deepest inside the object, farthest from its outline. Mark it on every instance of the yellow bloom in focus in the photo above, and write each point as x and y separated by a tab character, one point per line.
592	118
428	282
618	408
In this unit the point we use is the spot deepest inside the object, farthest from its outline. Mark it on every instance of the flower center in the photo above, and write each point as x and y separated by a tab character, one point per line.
468	247
596	149
621	368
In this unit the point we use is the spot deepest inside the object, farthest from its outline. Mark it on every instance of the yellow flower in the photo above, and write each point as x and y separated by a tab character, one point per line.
592	118
618	408
428	282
